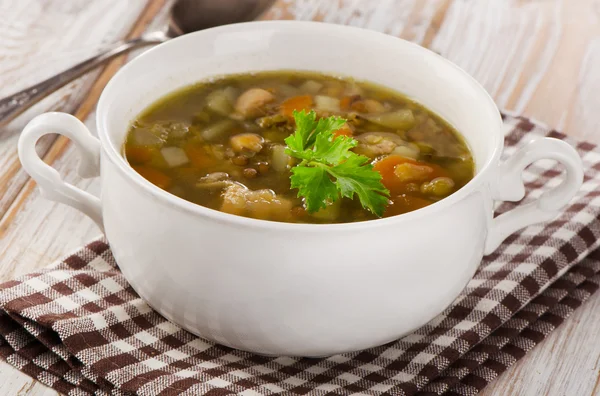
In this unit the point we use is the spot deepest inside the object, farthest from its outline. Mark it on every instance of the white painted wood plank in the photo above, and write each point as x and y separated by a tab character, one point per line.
408	18
42	230
581	118
56	228
42	37
37	39
538	58
566	363
535	57
15	383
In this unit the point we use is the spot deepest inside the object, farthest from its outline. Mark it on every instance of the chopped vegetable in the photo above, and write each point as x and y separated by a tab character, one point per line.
439	187
287	90
396	171
311	87
235	143
219	102
217	130
345	102
140	154
280	160
373	106
325	158
410	172
333	88
345	130
174	156
399	119
296	103
175	129
275	135
358	106
406	151
367	106
330	212
353	89
201	117
231	93
154	176
269	121
425	148
143	137
327	103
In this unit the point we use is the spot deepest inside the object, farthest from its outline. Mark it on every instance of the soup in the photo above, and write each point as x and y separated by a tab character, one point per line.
298	147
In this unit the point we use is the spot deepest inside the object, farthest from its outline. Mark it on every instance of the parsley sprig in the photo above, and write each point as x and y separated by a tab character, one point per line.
328	169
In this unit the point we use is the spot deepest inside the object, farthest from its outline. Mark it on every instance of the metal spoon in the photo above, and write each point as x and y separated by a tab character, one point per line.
185	16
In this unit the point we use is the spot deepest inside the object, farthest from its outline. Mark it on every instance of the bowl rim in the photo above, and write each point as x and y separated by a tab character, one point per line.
114	154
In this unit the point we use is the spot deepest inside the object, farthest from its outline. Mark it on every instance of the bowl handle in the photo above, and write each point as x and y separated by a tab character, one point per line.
48	179
509	186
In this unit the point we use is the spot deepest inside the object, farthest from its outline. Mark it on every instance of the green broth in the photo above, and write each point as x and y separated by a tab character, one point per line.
211	145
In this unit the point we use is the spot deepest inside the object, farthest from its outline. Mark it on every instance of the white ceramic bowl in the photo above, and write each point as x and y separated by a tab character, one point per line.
297	289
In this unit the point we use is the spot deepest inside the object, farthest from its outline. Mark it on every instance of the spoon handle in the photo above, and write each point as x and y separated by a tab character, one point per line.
13	105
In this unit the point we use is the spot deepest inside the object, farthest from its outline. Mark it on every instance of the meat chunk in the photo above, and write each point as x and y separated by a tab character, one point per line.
214	181
249	103
375	144
246	142
259	204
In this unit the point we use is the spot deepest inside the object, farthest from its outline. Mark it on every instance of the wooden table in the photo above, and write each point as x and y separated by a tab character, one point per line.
536	57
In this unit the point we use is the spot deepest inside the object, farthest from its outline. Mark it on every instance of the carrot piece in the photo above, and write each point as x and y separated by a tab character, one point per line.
345	130
342	132
154	176
198	156
405	203
386	167
303	102
389	178
139	155
345	102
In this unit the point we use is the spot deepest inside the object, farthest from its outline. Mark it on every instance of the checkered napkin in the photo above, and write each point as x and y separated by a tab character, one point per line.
80	328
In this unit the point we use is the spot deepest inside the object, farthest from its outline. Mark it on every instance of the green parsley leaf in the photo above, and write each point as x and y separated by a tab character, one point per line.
328	169
331	151
315	185
327	126
356	176
305	126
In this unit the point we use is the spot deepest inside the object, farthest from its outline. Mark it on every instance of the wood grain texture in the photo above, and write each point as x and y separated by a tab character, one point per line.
566	363
18	191
539	57
55	34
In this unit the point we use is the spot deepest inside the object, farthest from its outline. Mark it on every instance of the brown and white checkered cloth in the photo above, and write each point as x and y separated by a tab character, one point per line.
80	328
